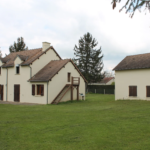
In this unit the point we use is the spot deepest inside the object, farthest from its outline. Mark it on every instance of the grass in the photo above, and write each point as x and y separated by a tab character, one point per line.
98	123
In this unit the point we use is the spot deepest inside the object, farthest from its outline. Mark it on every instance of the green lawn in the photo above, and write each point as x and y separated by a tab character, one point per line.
98	123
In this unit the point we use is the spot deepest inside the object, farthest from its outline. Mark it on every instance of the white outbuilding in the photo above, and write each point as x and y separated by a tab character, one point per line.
132	78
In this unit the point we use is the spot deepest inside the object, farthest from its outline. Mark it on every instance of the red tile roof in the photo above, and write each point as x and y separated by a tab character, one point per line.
27	56
107	79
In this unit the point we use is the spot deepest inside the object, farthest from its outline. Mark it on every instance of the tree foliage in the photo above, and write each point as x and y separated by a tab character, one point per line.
113	83
109	74
19	46
89	59
0	53
132	5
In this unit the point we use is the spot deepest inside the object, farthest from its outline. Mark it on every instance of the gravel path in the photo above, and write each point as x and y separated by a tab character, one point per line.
17	103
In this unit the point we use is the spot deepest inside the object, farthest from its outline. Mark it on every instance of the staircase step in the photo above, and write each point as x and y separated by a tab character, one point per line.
60	96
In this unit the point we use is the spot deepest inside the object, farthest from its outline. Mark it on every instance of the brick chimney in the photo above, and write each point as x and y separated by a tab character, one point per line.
45	45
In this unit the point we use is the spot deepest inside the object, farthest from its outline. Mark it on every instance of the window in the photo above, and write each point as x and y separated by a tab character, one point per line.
132	90
33	89
0	70
1	92
17	69
38	89
69	75
147	91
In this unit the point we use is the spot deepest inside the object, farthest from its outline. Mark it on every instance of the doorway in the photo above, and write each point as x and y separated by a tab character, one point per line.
1	92
17	93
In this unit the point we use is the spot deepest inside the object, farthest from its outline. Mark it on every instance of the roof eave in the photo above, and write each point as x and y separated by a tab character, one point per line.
7	66
38	81
131	69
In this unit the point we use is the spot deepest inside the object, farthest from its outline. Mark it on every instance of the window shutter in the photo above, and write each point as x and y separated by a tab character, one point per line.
135	90
42	90
33	89
130	91
147	91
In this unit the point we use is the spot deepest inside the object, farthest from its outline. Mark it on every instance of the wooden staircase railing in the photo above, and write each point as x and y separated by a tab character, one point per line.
75	81
61	94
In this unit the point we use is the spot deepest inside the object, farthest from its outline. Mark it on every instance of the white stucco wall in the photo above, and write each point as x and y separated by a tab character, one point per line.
43	60
25	87
124	79
60	80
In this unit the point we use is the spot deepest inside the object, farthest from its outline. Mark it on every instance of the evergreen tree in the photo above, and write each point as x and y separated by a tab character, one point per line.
19	46
89	59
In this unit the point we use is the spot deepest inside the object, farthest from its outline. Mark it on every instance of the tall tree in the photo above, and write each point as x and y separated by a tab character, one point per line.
89	59
132	5
19	46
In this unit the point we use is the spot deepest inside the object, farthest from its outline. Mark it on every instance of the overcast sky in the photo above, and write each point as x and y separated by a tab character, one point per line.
63	22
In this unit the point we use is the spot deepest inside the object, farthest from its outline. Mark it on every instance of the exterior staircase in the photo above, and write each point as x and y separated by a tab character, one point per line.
61	94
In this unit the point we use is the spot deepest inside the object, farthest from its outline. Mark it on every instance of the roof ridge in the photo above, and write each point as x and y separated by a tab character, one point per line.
20	52
25	50
137	54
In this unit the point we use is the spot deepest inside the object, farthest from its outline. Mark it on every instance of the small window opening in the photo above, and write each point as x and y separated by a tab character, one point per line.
17	70
69	75
0	70
40	90
132	90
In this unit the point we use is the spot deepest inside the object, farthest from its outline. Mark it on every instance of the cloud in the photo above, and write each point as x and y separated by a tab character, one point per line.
63	22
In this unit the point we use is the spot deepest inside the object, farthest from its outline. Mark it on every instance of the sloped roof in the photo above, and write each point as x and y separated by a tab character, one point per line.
9	59
22	57
4	60
140	61
107	79
28	56
50	70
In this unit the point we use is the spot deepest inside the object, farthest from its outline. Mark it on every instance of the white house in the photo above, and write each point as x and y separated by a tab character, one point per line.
39	76
132	78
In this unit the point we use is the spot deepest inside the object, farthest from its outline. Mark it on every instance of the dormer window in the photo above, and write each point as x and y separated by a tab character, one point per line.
17	69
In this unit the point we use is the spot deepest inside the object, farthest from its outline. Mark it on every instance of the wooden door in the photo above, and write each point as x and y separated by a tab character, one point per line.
1	92
17	93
